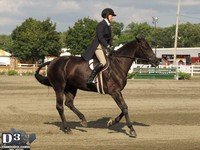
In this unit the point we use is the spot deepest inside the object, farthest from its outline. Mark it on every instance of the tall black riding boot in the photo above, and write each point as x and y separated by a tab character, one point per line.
96	70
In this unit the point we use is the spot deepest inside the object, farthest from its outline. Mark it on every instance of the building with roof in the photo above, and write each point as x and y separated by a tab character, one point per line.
4	58
185	56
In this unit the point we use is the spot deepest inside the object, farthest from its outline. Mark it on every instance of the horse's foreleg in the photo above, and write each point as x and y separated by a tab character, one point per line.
59	107
69	102
117	96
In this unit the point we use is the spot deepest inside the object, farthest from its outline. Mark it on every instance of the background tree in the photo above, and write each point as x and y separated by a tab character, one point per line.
165	37
189	35
80	36
136	29
6	42
117	28
34	39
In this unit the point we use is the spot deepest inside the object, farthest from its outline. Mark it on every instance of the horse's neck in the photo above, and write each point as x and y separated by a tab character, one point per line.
124	63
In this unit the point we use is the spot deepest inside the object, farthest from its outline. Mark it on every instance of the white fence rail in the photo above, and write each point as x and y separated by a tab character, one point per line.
191	69
26	65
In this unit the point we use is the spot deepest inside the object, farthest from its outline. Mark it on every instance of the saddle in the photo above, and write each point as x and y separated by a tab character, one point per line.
101	77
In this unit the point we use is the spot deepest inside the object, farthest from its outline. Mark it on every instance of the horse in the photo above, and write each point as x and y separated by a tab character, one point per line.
67	74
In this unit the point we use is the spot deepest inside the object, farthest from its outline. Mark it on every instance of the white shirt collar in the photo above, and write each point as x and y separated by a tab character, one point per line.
108	23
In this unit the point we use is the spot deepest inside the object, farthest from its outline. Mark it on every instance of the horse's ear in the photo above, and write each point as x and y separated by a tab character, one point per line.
141	35
138	40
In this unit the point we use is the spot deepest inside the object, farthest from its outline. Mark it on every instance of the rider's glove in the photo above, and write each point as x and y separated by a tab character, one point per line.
110	49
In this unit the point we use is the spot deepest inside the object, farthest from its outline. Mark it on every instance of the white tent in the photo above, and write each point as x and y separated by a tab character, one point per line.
4	57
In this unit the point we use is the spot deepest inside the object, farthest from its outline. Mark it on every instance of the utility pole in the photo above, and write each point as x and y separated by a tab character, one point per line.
176	38
176	34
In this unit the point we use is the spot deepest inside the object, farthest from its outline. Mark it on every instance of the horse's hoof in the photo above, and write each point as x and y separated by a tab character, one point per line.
132	134
84	123
69	131
109	123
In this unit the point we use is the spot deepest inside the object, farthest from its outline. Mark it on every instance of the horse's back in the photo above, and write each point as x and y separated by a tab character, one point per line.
63	60
71	69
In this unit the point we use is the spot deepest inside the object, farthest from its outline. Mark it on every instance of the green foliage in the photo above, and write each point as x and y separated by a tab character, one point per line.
184	76
63	37
116	32
12	72
28	73
6	42
189	35
34	39
136	29
163	37
80	36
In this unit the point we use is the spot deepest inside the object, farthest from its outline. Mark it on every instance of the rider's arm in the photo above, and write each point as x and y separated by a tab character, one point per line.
100	34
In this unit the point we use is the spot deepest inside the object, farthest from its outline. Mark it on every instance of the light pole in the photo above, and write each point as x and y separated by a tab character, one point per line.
155	21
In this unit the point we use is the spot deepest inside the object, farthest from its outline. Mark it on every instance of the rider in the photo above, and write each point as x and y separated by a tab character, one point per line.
101	42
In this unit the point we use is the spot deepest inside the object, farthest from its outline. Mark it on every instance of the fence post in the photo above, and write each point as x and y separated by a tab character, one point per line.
192	70
46	70
20	69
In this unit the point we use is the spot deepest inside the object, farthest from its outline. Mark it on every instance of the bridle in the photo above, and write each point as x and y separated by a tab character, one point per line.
142	48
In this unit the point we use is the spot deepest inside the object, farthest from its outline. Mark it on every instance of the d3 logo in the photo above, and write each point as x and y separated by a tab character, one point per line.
8	137
16	139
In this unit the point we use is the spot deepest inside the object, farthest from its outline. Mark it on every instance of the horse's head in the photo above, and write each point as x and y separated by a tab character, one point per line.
145	52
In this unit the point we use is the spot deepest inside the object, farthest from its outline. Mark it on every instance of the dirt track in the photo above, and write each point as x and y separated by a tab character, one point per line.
166	115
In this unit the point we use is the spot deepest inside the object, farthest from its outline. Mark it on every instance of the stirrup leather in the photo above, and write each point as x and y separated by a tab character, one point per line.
94	72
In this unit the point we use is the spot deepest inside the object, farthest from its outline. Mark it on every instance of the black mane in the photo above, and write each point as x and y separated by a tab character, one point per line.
128	46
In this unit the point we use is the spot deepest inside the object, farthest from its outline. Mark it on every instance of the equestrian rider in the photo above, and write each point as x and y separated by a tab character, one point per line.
101	43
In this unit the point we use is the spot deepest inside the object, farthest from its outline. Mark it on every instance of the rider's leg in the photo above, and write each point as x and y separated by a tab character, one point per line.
101	57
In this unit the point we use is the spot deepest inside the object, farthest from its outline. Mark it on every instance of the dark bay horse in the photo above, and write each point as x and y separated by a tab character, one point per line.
67	74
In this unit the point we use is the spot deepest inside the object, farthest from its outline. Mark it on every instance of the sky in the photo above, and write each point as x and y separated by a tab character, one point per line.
66	12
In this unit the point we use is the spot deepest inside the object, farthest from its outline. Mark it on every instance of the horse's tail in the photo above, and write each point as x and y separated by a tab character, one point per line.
42	79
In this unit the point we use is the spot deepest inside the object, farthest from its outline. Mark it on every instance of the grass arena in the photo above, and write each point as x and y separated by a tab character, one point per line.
165	114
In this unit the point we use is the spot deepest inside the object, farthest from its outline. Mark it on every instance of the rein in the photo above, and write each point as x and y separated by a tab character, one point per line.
131	57
124	56
138	70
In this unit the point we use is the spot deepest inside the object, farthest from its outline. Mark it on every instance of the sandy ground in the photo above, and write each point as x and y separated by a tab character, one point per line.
165	114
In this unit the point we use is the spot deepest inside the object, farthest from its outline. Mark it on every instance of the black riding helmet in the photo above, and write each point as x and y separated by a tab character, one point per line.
106	12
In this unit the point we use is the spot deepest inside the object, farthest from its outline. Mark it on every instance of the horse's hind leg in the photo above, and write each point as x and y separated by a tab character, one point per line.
117	120
59	107
70	94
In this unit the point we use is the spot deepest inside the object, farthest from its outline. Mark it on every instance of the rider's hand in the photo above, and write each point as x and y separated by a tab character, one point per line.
110	49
